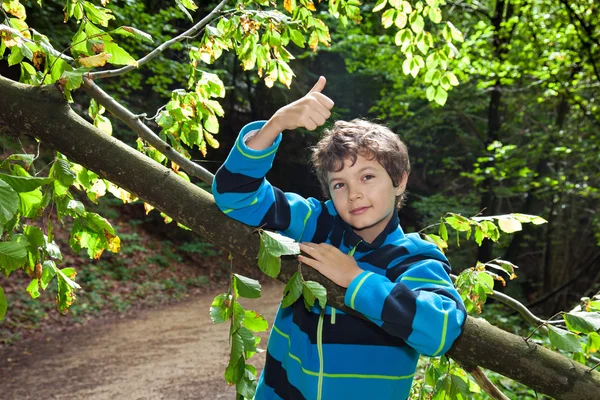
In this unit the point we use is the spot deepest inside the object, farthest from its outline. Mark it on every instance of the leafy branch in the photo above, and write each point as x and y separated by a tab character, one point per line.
194	30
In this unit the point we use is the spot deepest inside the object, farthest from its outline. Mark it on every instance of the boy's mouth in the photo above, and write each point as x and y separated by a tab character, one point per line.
359	210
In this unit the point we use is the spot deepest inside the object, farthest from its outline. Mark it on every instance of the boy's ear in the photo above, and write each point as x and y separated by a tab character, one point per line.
402	186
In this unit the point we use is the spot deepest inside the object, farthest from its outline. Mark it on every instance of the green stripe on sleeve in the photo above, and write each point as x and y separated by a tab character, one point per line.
444	329
237	144
438	281
357	288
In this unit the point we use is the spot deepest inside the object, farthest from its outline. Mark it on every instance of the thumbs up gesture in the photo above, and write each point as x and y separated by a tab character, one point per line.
309	112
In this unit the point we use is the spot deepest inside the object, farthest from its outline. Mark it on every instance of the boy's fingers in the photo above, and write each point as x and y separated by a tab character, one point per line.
324	100
319	86
309	261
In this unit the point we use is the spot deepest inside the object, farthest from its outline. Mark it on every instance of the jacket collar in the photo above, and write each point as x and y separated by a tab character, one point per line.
352	239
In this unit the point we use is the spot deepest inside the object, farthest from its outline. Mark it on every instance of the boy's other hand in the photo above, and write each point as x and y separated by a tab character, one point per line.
331	262
309	112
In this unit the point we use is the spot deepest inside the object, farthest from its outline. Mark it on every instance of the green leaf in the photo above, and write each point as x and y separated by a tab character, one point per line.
441	96
315	290
220	309
25	183
478	235
34	236
34	289
564	340
246	287
273	246
255	322
9	202
297	37
119	55
3	304
30	203
417	24
387	18
61	170
456	34
292	290
400	21
248	339
438	241
133	32
13	255
27	158
435	15
443	231
48	272
211	123
380	5
238	315
99	15
237	347
583	322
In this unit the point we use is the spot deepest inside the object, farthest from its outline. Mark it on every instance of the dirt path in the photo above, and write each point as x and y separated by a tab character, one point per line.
171	353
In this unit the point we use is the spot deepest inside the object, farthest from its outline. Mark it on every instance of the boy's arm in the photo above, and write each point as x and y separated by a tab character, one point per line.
420	306
240	189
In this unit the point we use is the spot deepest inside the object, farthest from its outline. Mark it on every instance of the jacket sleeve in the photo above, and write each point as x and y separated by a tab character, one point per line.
421	306
242	192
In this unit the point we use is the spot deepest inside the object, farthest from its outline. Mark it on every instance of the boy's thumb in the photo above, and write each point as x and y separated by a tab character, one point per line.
319	86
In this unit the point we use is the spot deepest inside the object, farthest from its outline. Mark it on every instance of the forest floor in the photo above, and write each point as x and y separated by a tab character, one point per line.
168	352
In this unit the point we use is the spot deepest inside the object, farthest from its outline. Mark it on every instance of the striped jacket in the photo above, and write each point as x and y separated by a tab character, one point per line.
405	291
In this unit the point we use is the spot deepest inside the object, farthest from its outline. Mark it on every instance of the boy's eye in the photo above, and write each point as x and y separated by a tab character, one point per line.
338	185
368	177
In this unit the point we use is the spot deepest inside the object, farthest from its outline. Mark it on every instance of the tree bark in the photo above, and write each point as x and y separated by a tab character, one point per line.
43	113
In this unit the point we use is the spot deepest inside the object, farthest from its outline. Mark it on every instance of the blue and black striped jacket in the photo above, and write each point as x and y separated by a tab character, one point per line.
404	291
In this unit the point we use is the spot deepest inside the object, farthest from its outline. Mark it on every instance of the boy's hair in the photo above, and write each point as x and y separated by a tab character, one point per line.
347	140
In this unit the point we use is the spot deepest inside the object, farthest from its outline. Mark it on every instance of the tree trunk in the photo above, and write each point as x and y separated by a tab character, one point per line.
43	113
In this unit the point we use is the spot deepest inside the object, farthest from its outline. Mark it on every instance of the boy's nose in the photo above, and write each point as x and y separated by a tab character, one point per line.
354	195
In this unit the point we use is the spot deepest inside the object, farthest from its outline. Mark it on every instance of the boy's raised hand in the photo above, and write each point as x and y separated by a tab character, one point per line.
309	112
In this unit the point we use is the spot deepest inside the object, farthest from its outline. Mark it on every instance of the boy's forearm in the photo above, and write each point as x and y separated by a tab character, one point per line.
266	136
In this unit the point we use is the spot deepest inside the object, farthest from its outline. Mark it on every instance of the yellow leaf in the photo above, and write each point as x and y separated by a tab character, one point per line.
148	208
114	242
287	4
122	194
104	2
310	6
39	60
94	61
15	8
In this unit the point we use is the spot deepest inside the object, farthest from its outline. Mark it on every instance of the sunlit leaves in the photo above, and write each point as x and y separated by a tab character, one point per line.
255	322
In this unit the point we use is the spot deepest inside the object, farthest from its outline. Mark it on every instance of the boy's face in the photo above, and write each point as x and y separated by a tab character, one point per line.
364	196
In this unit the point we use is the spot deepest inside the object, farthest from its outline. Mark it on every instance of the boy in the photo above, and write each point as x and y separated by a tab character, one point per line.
399	282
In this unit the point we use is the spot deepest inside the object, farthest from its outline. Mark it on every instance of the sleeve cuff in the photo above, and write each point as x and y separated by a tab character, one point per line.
251	153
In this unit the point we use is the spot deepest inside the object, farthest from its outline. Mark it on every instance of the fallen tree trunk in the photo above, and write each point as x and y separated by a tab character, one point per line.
42	112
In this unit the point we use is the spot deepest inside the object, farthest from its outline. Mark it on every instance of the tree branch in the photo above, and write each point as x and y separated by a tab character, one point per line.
484	382
49	118
154	53
144	132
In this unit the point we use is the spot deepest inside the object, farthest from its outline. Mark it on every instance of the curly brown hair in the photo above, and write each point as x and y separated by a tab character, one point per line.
348	139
